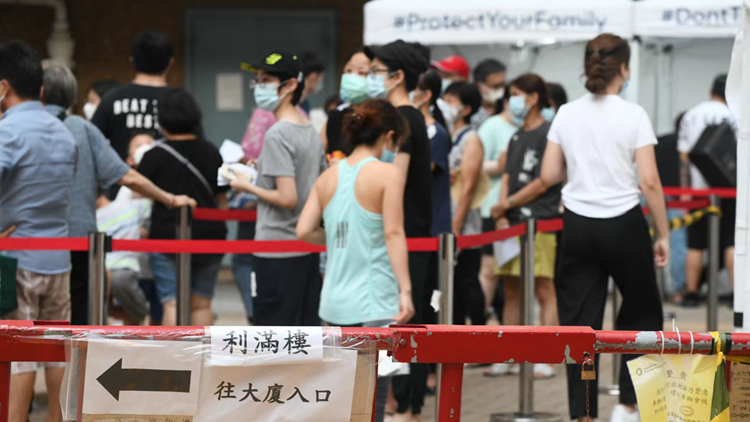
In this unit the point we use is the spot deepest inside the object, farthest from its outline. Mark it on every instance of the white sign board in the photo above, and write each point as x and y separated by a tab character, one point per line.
312	392
142	377
251	346
687	18
492	21
229	92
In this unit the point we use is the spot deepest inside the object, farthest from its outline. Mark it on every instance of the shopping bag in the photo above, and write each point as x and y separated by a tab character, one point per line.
8	300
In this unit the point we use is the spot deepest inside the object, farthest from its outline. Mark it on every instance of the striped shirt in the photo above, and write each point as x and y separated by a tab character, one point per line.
123	220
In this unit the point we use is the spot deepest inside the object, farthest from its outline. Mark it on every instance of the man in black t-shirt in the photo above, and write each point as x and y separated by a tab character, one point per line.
132	108
394	73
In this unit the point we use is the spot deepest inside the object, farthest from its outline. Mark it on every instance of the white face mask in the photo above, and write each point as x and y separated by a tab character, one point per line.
492	95
88	110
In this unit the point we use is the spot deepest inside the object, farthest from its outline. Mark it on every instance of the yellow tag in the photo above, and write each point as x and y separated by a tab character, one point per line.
673	387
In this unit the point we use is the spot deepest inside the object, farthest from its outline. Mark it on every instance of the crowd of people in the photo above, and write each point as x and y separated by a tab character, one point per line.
409	148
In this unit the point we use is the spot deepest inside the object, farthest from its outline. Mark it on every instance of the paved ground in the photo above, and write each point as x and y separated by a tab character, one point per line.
482	396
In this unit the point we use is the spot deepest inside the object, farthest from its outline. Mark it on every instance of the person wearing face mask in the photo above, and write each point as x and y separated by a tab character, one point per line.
360	200
288	284
489	77
451	69
557	98
604	147
529	95
394	73
97	167
95	95
353	91
465	161
424	98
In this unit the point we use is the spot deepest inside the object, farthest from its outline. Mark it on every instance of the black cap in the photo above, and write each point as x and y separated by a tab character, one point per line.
411	58
282	62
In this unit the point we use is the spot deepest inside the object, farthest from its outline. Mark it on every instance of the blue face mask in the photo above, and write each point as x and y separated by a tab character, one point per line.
547	113
267	96
388	156
353	88
624	86
518	108
376	89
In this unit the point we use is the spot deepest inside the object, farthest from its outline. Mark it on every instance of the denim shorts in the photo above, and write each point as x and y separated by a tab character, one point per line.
203	274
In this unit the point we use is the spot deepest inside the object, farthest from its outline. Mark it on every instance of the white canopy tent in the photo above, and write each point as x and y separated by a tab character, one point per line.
738	97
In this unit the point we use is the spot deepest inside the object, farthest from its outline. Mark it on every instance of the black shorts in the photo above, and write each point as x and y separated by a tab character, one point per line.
488	225
697	234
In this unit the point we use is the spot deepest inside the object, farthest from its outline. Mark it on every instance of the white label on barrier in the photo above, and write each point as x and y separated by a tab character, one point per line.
313	392
141	377
250	346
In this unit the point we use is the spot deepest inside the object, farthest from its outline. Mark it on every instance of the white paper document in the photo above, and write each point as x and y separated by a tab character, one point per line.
142	377
310	392
506	250
254	346
231	152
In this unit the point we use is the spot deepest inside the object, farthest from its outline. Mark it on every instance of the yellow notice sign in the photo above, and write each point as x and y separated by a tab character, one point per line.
673	388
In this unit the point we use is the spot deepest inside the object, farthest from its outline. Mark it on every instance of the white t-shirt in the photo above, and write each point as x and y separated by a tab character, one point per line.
692	126
599	135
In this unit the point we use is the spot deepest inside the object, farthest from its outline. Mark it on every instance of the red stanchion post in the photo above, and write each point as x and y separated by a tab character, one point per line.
449	400
4	391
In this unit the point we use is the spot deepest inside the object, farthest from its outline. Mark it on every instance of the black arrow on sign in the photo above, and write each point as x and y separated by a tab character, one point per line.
115	379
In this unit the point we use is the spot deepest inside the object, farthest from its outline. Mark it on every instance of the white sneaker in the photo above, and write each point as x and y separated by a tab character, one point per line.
620	414
544	371
497	370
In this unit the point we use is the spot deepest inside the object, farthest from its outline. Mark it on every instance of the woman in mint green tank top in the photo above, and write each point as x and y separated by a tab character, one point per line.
360	201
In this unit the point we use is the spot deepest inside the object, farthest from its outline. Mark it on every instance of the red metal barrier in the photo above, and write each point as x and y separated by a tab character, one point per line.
40	341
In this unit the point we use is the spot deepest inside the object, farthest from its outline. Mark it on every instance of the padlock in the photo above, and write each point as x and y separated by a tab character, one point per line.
588	375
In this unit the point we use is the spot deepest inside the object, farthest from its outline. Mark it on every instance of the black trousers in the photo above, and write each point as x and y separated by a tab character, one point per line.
288	291
409	390
79	288
592	251
468	297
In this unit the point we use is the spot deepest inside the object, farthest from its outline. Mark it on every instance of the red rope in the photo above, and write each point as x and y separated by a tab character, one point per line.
476	240
44	244
211	214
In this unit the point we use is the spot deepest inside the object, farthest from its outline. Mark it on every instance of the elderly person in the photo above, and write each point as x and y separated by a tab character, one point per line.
98	167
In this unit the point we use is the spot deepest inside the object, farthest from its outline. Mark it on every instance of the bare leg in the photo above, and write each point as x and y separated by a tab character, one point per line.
53	378
545	293
200	309
729	263
21	390
694	269
169	317
488	279
512	310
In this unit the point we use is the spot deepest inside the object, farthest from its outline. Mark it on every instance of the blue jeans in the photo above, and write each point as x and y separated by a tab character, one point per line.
242	268
678	252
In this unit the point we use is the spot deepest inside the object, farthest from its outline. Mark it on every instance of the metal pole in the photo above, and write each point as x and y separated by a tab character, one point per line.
614	388
97	278
527	314
713	266
446	264
526	383
184	228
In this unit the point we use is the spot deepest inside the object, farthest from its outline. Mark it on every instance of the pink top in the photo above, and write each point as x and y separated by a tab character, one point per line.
260	122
